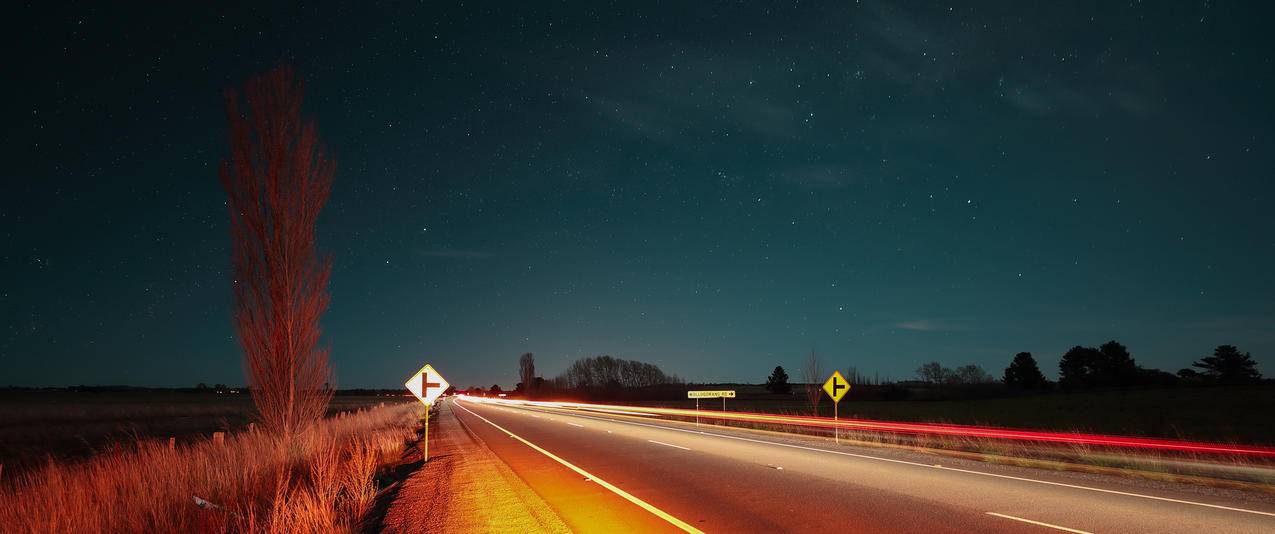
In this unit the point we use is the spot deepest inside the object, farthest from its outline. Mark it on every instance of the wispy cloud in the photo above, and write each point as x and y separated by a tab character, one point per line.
702	92
929	325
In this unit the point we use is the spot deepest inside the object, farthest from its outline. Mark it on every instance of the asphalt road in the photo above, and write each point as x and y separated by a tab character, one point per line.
605	473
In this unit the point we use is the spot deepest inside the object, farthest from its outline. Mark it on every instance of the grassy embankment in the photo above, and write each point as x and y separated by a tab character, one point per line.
1225	414
323	481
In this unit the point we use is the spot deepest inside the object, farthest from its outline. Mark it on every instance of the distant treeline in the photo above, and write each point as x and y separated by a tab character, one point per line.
606	372
1111	365
1081	368
592	378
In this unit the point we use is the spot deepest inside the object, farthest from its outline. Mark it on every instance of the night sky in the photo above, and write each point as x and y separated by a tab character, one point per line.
712	188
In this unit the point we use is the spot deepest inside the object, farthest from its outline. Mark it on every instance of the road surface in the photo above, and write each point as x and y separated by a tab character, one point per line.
605	473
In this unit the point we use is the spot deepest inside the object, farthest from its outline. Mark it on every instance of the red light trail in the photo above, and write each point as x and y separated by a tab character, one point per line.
920	429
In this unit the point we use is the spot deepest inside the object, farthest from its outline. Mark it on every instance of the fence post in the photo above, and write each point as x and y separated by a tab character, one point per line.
172	444
219	438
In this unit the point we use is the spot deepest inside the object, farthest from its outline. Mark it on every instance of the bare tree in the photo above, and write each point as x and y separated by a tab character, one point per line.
933	372
527	372
277	179
812	376
971	374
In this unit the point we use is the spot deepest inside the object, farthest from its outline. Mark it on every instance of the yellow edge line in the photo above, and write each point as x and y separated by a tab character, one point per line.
627	496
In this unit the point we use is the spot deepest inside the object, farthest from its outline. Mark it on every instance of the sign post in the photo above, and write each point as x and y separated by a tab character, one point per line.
426	385
836	387
709	394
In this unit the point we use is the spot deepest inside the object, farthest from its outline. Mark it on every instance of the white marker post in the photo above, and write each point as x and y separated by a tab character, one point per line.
427	385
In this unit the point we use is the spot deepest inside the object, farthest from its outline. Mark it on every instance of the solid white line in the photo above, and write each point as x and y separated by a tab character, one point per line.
669	445
932	466
1038	523
574	424
626	495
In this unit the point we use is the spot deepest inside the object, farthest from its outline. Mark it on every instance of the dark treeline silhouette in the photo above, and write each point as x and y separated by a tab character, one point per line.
935	373
1081	368
1227	365
1108	366
1111	366
607	372
537	386
594	378
1023	373
777	382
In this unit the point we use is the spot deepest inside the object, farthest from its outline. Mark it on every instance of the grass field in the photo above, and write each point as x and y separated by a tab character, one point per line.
1239	414
1226	414
67	425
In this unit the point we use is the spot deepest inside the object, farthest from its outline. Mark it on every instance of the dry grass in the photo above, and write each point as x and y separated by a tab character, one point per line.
72	426
323	481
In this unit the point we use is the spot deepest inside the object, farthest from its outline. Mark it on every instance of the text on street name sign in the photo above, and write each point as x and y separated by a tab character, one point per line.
711	394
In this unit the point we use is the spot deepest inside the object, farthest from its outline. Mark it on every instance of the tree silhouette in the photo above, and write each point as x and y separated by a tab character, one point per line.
1078	366
1116	367
970	374
527	372
277	178
1023	373
1087	367
777	382
495	389
1228	365
610	372
1156	377
1190	376
933	372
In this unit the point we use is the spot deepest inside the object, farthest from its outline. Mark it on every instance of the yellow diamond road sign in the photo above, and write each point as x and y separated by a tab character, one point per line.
427	384
836	386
